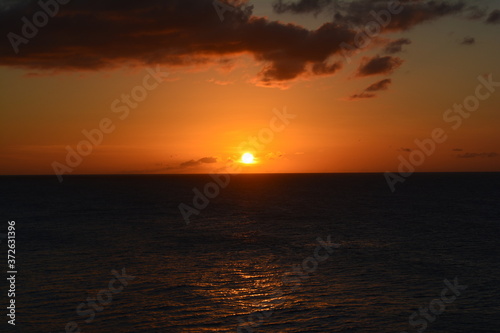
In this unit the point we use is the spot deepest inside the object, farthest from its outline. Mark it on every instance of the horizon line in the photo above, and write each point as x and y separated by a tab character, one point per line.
237	174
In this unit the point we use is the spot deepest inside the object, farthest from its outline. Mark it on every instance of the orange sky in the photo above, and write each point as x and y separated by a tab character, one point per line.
195	119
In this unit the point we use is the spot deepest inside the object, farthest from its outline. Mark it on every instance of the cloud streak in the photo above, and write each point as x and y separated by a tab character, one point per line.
369	92
494	17
301	6
360	12
380	85
468	41
194	163
396	46
378	65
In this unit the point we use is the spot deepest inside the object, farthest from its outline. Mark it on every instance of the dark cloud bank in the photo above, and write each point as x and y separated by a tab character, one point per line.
97	34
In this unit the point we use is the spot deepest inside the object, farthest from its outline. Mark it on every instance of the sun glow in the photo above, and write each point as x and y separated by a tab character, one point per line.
247	158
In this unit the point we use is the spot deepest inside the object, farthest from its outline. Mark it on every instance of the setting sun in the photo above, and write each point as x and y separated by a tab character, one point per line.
247	158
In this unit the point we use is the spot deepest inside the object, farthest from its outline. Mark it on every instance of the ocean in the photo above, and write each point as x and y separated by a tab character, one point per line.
266	253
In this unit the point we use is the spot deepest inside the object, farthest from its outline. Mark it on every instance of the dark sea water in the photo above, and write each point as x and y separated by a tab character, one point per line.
232	268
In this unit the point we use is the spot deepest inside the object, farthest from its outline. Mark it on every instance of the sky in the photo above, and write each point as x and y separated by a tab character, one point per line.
188	86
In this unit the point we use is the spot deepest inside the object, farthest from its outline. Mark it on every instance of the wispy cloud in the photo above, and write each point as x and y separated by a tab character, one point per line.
396	46
369	92
301	6
494	17
358	12
380	85
468	41
194	163
378	65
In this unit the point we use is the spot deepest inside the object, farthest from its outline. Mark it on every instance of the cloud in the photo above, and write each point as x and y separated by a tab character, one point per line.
468	41
208	160
406	150
325	69
360	12
369	92
189	163
494	17
95	35
361	96
474	155
378	65
474	12
396	46
380	85
457	149
193	163
301	7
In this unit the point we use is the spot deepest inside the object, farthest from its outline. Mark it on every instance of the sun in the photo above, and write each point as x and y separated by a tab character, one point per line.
247	158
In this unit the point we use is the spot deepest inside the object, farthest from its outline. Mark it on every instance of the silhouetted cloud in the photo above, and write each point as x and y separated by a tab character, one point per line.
301	6
474	155
457	149
494	17
378	65
359	12
96	34
105	34
396	46
193	163
325	69
208	160
369	92
406	150
468	41
474	12
361	96
380	85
